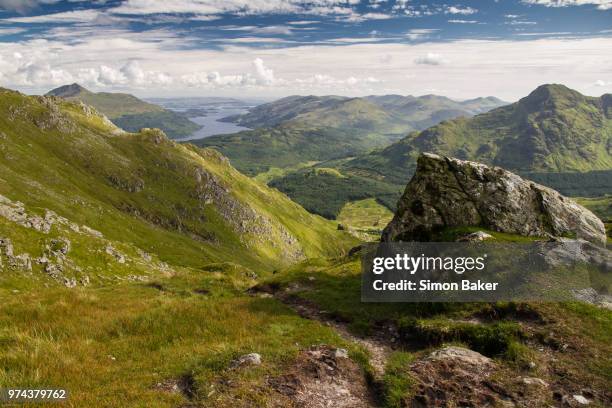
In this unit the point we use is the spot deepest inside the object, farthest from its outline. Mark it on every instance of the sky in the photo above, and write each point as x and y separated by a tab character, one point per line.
274	48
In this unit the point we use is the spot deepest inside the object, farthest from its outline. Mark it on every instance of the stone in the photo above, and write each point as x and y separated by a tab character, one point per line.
21	261
535	381
6	247
341	353
461	354
60	246
448	192
247	360
477	236
119	257
91	231
581	400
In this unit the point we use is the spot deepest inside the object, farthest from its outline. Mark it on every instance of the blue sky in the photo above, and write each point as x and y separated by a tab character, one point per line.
277	47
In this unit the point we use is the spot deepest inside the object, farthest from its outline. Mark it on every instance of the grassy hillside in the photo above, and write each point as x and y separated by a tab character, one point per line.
561	343
129	112
554	136
325	191
554	129
186	204
299	129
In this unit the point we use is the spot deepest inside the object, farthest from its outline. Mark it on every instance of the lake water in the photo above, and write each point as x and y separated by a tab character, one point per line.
207	112
212	126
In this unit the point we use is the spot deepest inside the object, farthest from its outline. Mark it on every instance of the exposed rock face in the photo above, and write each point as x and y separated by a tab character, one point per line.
447	192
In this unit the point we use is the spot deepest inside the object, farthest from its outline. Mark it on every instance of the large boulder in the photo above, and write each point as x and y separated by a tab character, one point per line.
448	192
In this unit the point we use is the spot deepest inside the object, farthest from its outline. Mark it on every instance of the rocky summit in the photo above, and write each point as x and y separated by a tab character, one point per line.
448	192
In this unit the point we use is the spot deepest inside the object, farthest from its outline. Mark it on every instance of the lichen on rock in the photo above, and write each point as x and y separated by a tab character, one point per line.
448	192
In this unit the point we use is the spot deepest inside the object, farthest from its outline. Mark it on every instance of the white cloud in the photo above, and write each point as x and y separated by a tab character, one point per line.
170	68
463	21
601	4
244	7
22	6
11	31
601	82
460	10
263	75
76	16
420	33
430	59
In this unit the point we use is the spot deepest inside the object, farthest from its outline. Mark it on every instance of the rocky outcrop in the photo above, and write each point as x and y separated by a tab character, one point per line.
448	192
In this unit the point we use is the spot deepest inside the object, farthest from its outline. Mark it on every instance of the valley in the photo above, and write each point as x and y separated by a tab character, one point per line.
137	266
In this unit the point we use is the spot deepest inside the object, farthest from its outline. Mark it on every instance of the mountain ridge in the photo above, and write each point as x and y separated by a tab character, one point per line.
127	111
300	129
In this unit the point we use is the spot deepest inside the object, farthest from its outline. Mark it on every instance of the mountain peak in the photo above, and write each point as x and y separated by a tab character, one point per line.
551	96
66	91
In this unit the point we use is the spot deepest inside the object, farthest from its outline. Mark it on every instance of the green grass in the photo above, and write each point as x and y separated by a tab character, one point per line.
365	218
327	192
110	346
143	189
600	206
132	114
365	214
512	333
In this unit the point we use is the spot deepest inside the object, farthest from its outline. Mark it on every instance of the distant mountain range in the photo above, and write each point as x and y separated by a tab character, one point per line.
299	129
128	112
553	129
548	136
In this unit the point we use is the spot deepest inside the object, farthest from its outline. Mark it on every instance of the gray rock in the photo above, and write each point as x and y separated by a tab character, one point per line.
21	261
119	257
581	400
70	282
448	192
341	353
247	360
6	247
535	381
477	236
60	246
461	354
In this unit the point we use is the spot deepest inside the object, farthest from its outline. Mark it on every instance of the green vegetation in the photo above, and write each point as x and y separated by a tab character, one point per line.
525	339
365	218
129	112
600	206
326	192
365	214
299	129
125	345
153	309
258	151
186	204
555	136
554	129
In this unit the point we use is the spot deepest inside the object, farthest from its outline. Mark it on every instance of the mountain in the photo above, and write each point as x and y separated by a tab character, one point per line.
554	136
128	112
139	272
553	129
141	191
296	130
428	110
409	112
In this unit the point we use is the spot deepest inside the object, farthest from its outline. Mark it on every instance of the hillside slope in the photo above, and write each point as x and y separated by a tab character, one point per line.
554	136
300	129
553	129
185	204
128	112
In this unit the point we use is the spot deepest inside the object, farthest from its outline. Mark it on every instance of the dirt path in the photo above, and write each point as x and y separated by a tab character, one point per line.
378	348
